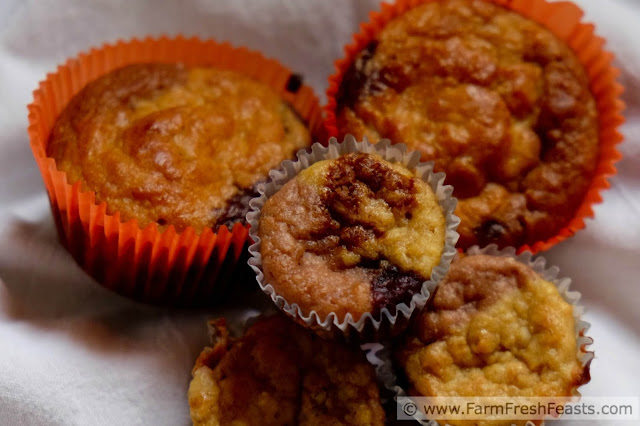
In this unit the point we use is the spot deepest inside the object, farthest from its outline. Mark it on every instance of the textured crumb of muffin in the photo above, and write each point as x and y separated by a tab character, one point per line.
280	374
493	327
351	236
175	145
496	100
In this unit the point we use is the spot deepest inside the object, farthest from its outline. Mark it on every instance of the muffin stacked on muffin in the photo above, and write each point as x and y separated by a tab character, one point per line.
351	236
175	145
497	101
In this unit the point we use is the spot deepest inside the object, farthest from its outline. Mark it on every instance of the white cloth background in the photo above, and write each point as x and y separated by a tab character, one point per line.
72	353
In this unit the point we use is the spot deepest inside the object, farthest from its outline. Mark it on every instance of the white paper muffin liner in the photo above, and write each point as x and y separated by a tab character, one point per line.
383	323
382	359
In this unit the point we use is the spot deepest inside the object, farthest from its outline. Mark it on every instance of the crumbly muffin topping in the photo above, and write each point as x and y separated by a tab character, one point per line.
175	145
501	104
493	327
351	235
281	374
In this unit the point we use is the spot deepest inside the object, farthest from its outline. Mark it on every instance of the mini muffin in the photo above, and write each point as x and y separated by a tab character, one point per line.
500	104
281	374
175	145
352	236
493	328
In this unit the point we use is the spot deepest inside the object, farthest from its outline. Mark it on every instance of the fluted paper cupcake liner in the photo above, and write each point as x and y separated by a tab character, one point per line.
149	264
385	323
382	358
564	19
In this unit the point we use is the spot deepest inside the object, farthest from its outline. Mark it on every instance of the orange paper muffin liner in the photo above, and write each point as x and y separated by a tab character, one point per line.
564	19
149	264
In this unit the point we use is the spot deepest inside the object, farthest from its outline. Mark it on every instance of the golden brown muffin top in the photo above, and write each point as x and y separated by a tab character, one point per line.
493	327
351	235
500	103
281	374
175	145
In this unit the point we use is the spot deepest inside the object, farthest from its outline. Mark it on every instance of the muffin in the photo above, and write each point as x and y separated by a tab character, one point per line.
175	145
493	328
501	105
351	236
280	374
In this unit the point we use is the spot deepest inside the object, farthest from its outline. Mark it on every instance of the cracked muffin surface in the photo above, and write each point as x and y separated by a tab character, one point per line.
500	104
352	235
493	327
175	145
281	374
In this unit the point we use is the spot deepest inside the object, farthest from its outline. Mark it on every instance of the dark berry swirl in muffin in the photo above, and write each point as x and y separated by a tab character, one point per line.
351	236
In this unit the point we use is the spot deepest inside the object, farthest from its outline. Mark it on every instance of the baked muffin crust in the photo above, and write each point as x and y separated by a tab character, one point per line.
280	374
175	145
351	236
493	327
500	104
